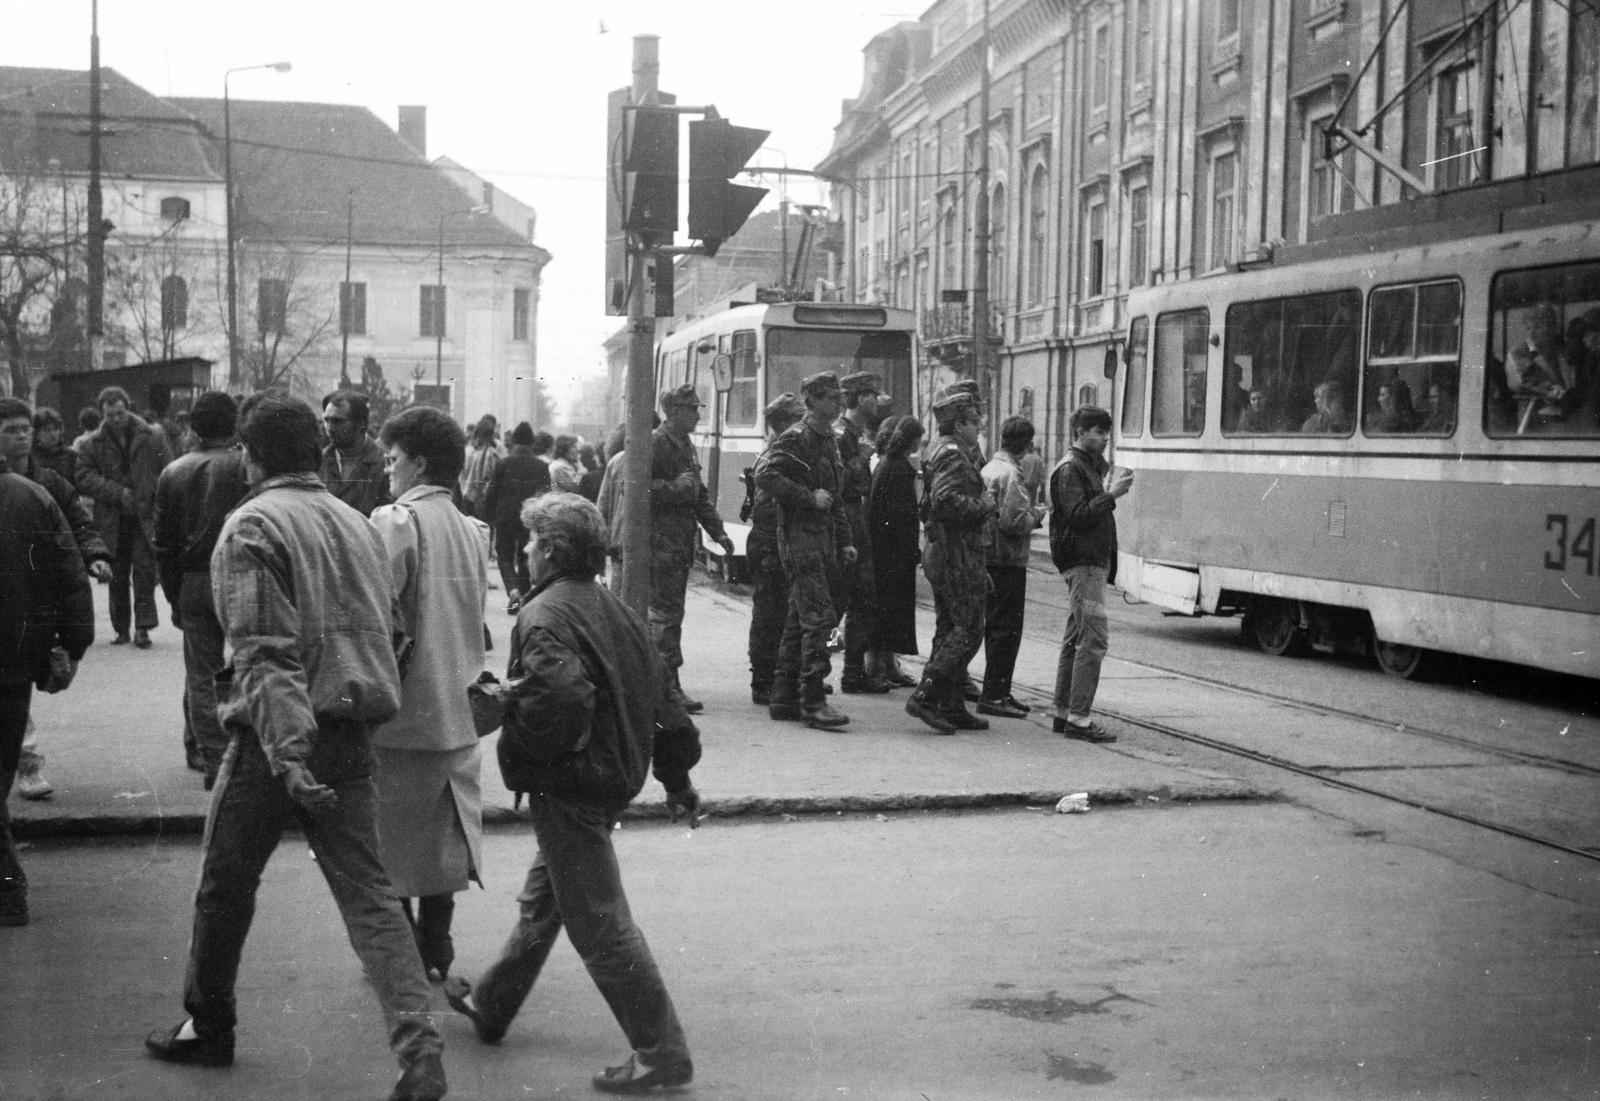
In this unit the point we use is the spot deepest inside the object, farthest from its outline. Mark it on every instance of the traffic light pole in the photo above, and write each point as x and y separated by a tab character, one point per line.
636	555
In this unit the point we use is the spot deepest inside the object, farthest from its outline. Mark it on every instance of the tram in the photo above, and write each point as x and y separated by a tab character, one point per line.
1398	450
762	350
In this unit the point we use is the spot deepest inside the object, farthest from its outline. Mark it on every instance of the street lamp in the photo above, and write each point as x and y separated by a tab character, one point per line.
439	303
227	186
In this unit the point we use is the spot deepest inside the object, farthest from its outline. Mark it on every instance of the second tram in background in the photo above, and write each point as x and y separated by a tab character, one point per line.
766	349
1398	450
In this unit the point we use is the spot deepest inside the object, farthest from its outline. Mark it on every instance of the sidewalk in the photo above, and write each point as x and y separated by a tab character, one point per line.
114	752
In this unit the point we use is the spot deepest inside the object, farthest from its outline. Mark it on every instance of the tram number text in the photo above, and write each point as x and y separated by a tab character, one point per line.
1574	542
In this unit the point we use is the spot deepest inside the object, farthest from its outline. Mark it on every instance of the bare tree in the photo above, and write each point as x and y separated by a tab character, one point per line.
35	241
151	300
286	318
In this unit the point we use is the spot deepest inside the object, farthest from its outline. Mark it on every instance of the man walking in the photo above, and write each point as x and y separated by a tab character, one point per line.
593	713
1007	548
193	497
957	511
679	503
1083	546
44	602
304	596
769	600
518	476
802	473
856	433
118	465
352	465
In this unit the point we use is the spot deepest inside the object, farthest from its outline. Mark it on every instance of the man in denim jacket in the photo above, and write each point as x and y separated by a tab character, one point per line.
306	604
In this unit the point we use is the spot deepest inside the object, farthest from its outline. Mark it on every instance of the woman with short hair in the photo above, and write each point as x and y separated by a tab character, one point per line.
895	529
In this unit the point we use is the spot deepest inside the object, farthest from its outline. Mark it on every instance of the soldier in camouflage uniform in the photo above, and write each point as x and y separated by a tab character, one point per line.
956	509
941	614
769	603
855	433
802	473
678	504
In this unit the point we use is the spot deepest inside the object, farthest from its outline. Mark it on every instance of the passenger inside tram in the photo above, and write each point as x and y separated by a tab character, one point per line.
1438	410
1544	382
1395	414
1332	416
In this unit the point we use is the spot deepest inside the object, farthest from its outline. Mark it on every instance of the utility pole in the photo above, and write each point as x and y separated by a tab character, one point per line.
438	322
346	304
980	229
97	230
641	374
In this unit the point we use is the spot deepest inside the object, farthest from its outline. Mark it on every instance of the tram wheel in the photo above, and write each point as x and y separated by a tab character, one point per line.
1275	627
1400	660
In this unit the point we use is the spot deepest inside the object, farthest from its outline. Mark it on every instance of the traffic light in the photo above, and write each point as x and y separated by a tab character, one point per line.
650	173
718	207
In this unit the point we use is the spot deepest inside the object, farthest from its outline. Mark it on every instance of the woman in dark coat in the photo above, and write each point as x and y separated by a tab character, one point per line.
892	520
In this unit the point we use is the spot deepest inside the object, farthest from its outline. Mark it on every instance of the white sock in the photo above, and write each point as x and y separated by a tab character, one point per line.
187	1032
1078	720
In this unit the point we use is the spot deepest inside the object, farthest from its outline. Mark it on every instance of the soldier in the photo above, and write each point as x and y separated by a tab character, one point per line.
941	614
769	603
678	502
802	473
855	432
956	508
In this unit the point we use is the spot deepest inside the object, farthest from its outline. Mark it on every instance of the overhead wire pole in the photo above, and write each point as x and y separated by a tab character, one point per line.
96	256
641	374
980	230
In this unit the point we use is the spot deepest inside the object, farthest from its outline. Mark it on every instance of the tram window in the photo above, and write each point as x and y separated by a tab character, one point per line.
1543	371
1289	365
795	354
1133	387
1413	360
743	399
1179	389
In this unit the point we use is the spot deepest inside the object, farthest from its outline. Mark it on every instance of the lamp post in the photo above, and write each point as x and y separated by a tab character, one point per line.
227	187
439	302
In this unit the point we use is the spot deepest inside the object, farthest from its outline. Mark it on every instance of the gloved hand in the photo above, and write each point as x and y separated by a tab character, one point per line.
100	570
727	545
685	802
304	789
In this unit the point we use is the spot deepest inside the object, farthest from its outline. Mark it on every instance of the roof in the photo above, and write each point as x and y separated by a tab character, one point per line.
296	165
44	116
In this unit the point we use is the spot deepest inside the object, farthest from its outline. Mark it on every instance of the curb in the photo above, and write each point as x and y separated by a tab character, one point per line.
740	806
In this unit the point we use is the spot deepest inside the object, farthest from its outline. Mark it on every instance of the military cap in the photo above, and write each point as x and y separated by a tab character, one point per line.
680	395
862	382
964	386
952	399
784	407
820	384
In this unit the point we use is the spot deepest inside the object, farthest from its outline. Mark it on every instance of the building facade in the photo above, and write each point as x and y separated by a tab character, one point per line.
356	260
1134	142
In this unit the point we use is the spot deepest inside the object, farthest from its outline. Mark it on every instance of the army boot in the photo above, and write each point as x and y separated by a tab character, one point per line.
923	705
857	681
784	700
761	687
955	711
821	715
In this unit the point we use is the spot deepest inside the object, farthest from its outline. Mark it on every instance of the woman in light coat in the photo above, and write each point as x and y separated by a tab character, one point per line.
430	814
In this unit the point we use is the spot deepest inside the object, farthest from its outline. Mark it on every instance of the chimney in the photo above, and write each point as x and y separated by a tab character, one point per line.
414	128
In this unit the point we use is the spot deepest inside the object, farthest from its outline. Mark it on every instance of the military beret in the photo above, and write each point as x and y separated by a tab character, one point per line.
680	395
823	382
862	382
784	407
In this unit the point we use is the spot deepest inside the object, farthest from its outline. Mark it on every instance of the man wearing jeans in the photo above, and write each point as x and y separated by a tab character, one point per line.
308	610
1083	545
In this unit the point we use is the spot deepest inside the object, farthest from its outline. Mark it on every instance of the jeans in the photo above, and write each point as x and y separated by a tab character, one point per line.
249	811
14	703
1083	644
1002	634
135	566
511	556
575	883
202	661
31	760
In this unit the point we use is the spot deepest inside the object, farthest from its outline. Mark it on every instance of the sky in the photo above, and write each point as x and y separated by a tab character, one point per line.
515	90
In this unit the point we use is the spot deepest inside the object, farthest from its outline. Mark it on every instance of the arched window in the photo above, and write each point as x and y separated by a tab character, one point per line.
1038	226
997	246
174	303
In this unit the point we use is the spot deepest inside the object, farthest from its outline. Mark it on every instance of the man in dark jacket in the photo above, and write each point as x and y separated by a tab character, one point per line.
1083	546
802	472
592	714
769	600
193	497
856	432
352	463
44	602
118	465
518	476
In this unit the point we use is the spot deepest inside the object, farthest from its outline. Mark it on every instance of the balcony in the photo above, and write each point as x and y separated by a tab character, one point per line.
946	331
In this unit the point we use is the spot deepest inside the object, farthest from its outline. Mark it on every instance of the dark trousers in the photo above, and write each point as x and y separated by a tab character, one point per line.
14	703
511	555
134	566
960	585
575	884
202	661
249	811
803	660
861	610
1002	635
769	606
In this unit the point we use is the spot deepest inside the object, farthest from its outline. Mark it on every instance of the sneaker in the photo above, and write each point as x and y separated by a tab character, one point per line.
634	1077
1090	731
823	717
1004	709
141	638
202	1051
33	785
